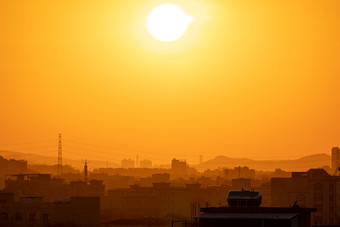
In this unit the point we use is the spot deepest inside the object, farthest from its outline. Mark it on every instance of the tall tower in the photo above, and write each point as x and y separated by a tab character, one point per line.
60	158
85	170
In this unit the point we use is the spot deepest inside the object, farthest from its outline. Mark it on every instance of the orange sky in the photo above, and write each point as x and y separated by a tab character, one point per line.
257	79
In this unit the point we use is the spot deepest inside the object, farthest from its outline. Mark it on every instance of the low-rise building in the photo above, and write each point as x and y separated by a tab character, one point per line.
162	200
315	188
50	189
254	216
32	211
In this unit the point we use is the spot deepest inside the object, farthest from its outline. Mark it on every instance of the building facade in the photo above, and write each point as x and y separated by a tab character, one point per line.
32	211
315	188
335	159
51	189
254	216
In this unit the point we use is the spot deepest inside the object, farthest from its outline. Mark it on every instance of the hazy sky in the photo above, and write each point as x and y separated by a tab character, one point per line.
257	79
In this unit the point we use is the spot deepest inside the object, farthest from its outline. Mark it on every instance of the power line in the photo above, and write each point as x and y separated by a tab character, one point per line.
103	152
91	155
67	151
108	147
31	148
122	149
113	150
25	143
86	144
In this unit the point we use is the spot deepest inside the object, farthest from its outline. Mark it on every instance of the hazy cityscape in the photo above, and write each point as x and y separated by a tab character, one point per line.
140	194
169	113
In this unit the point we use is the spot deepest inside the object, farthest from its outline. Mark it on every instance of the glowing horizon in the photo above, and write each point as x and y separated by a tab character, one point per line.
247	79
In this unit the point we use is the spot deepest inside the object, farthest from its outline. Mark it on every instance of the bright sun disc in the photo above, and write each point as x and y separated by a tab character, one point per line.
168	22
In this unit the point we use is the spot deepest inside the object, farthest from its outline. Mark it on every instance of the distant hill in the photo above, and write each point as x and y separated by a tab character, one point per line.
33	159
301	164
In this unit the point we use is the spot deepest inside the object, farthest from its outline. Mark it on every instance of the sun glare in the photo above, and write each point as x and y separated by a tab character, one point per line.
168	22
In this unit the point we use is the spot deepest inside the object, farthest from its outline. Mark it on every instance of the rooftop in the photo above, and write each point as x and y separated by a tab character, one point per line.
262	210
286	216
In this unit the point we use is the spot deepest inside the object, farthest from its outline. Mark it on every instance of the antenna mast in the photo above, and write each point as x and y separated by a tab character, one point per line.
60	159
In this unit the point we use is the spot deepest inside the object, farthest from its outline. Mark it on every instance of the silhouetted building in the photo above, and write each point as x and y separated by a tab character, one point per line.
160	177
42	185
146	163
84	188
335	159
128	163
265	190
213	173
239	172
315	188
281	173
162	200
32	211
12	166
241	183
254	216
179	168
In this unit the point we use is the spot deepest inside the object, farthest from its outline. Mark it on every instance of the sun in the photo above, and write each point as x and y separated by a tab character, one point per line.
168	22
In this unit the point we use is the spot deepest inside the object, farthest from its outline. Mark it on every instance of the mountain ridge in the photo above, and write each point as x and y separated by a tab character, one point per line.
301	164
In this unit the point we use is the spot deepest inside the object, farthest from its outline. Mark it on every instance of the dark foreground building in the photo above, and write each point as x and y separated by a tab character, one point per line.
255	217
32	211
314	188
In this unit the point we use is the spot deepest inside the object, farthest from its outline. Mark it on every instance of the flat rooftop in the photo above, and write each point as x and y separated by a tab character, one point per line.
261	216
263	210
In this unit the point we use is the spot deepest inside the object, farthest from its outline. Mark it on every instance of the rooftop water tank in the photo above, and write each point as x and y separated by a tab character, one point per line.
244	198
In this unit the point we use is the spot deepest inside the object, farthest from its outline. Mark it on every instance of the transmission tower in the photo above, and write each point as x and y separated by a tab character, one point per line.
60	158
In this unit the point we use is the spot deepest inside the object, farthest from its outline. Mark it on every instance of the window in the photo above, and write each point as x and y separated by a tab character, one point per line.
32	217
318	219
4	216
331	189
317	199
301	198
18	216
331	216
318	210
318	187
46	217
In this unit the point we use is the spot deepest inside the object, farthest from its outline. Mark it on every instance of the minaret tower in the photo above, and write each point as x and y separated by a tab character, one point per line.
60	158
85	170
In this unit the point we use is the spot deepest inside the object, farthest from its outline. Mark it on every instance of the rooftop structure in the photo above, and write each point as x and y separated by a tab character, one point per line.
255	216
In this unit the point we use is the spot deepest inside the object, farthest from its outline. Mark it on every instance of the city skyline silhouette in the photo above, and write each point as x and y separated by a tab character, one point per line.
169	113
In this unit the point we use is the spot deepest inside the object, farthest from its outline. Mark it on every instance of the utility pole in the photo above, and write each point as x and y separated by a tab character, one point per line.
60	158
